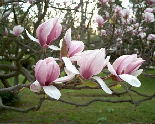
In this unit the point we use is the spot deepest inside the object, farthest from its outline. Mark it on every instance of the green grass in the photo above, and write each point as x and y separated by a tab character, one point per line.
56	112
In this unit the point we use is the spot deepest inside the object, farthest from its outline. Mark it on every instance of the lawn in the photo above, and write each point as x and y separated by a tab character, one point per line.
56	112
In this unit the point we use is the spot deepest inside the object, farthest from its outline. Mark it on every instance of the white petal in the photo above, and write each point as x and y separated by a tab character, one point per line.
31	37
52	91
54	47
65	78
21	36
137	72
35	87
56	59
69	65
12	32
103	85
106	61
60	43
132	80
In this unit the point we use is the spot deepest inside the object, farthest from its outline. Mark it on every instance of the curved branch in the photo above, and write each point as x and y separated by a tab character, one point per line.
23	110
9	67
16	87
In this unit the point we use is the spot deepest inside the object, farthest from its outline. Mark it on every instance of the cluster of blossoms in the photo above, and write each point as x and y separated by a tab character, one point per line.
89	62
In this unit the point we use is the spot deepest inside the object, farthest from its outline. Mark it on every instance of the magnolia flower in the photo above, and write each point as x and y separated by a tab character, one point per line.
7	13
151	2
149	17
125	68
47	32
148	44
100	20
104	1
142	35
103	32
31	1
149	10
65	1
118	10
151	37
125	13
68	46
91	63
17	30
6	32
46	72
73	46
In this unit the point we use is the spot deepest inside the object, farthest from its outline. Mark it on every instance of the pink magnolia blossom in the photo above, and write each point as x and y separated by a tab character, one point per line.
7	13
151	37
142	35
125	13
149	10
149	17
136	25
46	72
103	32
17	30
6	32
100	20
65	2
91	63
104	1
148	44
47	32
118	10
125	68
31	1
72	45
151	2
58	4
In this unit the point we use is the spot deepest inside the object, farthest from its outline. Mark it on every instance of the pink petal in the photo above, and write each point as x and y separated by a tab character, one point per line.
67	37
91	63
53	72
52	92
41	72
124	63
118	61
131	67
102	84
55	31
75	47
43	31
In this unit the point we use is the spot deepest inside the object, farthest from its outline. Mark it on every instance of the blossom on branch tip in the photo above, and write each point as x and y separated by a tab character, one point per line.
17	30
149	17
46	72
151	37
125	68
91	63
99	20
6	32
47	32
125	13
70	47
